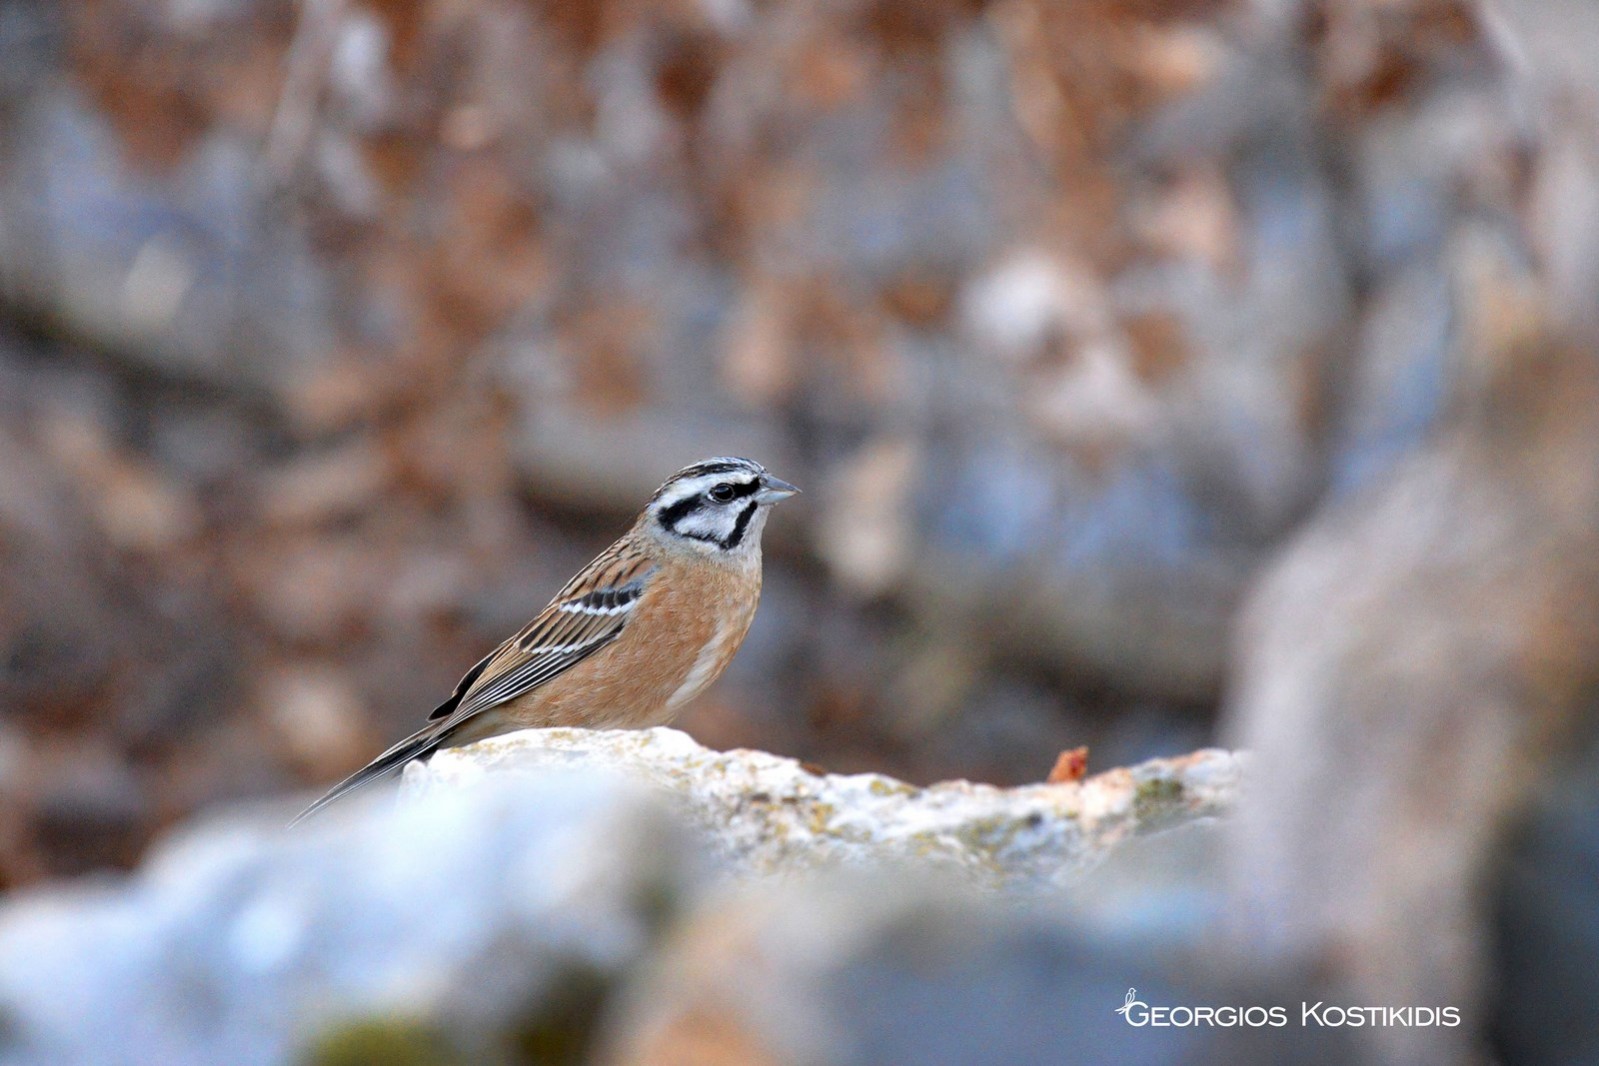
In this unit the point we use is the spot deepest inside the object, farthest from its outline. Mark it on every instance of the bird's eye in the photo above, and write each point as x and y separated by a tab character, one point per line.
722	493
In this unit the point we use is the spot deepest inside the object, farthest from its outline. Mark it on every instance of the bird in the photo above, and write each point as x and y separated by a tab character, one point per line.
633	637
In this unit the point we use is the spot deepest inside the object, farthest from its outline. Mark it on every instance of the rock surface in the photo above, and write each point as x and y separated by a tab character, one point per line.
490	914
764	814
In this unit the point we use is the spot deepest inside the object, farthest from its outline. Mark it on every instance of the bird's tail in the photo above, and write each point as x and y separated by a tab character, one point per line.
418	744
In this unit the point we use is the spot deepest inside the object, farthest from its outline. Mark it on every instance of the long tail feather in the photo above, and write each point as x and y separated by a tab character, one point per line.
414	746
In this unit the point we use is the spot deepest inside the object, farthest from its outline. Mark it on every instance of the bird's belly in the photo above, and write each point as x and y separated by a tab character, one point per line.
708	664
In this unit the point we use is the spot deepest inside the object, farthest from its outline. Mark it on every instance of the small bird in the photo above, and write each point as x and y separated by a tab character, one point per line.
639	632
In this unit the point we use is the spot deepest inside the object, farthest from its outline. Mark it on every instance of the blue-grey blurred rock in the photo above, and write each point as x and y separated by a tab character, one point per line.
852	971
463	918
1411	673
191	274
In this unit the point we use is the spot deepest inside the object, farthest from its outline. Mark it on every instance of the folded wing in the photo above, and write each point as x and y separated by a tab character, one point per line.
583	618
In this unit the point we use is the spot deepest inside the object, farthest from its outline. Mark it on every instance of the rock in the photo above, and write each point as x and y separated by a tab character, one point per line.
1414	669
492	913
455	922
857	971
763	814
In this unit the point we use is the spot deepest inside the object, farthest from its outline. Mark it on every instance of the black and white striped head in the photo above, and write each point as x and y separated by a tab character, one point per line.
717	505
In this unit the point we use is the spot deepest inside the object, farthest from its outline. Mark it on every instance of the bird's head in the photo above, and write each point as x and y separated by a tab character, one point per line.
716	506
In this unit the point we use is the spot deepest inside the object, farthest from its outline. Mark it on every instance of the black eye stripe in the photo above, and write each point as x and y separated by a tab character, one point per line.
671	516
674	513
712	468
740	489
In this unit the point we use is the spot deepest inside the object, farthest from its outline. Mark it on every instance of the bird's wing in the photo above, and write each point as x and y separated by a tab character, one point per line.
583	618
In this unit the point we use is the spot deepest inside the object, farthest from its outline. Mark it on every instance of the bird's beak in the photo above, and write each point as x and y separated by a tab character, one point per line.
774	489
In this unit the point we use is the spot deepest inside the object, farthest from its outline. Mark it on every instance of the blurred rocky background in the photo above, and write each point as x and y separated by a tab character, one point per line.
1157	370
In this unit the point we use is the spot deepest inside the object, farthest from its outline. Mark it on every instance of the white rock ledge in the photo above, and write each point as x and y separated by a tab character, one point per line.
763	814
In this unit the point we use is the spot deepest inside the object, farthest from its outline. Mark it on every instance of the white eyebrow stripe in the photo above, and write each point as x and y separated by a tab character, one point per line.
683	490
678	491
